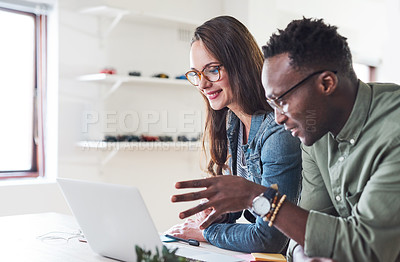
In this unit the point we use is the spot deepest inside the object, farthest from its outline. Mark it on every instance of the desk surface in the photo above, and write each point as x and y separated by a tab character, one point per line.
42	237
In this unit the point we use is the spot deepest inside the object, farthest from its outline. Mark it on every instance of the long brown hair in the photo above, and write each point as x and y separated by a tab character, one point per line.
229	41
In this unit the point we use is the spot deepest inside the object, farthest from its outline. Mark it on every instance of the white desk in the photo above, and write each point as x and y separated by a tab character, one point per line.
22	240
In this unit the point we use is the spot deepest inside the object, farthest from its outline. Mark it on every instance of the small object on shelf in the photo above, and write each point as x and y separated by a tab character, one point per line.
121	138
161	75
187	139
183	77
110	139
149	138
108	70
165	138
183	139
135	73
133	138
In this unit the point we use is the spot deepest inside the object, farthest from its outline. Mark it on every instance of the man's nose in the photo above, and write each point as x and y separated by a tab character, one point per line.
280	117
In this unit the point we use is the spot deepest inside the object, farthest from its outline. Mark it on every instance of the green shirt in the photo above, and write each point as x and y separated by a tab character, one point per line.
351	183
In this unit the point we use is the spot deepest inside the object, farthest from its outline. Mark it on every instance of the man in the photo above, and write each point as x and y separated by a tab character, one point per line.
349	207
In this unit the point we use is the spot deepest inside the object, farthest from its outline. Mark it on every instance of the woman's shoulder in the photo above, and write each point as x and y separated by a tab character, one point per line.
270	130
269	126
269	119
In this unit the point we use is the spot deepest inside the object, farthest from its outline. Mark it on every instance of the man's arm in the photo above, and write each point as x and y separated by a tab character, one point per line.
239	194
232	193
370	233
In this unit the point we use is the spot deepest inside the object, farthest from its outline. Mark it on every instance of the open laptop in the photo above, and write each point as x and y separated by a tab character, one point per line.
114	219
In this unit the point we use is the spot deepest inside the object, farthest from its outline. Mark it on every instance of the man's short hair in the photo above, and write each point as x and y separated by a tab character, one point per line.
312	45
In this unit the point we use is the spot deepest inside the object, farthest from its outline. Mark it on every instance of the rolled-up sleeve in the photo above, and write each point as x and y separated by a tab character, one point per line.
255	237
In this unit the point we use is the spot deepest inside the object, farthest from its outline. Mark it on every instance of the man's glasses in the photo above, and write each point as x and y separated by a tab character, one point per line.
210	72
278	104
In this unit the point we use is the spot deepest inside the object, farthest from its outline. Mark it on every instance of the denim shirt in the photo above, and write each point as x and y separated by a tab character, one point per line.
273	156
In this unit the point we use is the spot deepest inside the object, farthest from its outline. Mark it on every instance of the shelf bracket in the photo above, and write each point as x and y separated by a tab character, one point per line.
113	24
106	12
114	88
109	156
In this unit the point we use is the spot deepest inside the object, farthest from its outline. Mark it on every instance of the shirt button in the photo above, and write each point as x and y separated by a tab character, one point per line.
352	141
341	159
338	198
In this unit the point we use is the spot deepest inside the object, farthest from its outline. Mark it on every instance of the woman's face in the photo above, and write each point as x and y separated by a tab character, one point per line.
218	93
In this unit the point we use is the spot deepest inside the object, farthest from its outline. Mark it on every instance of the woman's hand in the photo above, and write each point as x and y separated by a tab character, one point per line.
190	229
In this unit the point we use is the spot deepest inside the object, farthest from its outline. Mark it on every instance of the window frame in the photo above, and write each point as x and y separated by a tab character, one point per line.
40	76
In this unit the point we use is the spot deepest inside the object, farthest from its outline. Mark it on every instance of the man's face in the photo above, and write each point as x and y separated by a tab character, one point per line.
302	110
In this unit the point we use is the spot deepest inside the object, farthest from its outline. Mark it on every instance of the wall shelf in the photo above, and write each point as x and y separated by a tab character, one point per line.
114	147
117	14
117	80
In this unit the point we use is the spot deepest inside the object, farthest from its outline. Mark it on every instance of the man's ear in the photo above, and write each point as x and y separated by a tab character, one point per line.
328	82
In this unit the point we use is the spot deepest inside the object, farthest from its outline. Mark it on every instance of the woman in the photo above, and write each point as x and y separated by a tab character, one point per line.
226	68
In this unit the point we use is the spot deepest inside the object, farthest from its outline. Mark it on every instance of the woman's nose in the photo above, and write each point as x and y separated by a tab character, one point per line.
204	83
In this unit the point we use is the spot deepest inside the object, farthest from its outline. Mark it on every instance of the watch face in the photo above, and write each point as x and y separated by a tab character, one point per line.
261	206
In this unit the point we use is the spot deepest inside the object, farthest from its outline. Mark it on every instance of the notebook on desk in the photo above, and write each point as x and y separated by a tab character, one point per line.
114	219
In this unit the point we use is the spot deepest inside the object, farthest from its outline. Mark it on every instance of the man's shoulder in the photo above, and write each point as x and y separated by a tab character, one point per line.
384	87
385	95
384	116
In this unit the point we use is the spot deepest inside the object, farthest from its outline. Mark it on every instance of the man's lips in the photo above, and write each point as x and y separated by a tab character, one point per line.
292	130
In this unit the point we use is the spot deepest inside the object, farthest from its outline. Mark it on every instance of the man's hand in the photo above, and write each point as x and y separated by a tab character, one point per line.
224	194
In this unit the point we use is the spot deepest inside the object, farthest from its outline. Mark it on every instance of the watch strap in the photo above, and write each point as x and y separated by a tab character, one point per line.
270	193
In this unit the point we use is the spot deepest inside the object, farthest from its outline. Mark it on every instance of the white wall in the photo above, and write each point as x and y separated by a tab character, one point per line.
389	70
363	22
140	46
370	25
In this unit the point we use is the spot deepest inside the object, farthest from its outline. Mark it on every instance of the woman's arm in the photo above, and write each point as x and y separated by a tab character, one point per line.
280	162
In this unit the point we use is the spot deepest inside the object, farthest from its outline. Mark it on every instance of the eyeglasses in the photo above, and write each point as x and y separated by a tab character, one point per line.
210	72
278	104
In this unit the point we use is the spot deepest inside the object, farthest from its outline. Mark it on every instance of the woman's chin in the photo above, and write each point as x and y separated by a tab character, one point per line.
217	108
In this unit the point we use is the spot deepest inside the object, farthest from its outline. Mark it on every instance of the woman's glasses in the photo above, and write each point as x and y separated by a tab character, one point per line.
210	72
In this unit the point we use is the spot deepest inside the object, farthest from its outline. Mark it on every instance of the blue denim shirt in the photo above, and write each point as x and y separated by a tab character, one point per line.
273	156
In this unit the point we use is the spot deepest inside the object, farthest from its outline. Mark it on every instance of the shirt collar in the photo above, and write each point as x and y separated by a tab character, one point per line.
354	125
234	124
256	121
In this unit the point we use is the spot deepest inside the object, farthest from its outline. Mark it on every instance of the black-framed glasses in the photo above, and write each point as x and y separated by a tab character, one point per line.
276	103
210	72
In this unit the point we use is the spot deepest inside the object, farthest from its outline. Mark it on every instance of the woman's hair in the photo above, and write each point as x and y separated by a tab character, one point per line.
230	42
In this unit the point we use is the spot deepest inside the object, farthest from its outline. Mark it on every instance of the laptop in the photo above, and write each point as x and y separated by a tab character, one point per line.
113	218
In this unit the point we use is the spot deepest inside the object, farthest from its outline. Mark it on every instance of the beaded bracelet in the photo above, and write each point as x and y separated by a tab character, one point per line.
271	221
273	206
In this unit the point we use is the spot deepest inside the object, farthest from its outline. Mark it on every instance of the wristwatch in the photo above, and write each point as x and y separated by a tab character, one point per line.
262	203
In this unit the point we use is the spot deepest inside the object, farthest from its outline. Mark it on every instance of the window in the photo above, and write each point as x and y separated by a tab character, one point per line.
365	73
23	68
